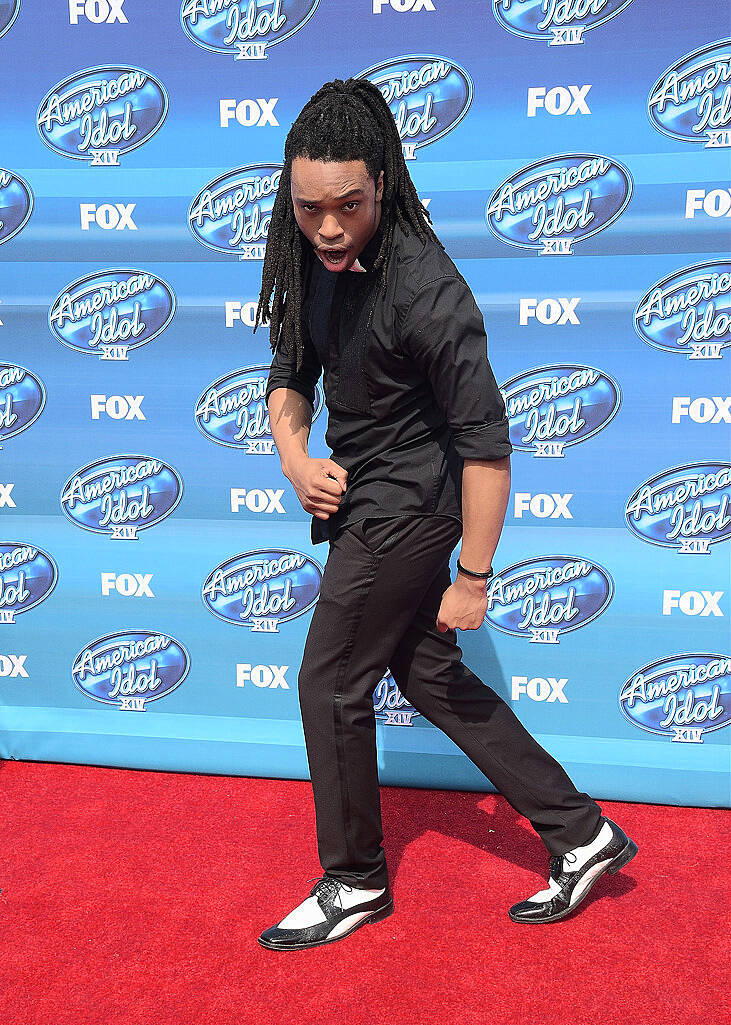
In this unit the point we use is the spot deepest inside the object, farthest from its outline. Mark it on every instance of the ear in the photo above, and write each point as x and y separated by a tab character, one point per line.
379	187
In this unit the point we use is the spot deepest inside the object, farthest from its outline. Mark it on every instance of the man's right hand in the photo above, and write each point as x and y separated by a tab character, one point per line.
312	479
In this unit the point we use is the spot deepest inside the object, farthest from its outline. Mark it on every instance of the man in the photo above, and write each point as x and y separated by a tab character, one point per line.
362	289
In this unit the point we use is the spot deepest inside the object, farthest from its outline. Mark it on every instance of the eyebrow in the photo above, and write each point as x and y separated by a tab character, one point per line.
338	199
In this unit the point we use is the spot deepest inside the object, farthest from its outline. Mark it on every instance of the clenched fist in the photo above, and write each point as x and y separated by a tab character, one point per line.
319	484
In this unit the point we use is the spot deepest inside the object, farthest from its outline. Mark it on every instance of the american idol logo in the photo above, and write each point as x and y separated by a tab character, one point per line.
130	668
262	589
691	101
101	113
232	411
689	311
687	508
682	697
27	576
22	398
245	28
110	312
232	213
551	408
561	22
546	597
121	495
428	97
8	13
557	201
390	706
16	204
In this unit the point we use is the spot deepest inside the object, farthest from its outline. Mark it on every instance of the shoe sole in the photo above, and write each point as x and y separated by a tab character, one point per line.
375	916
618	861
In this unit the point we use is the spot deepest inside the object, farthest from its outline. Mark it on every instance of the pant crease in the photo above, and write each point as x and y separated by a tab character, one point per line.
338	712
505	769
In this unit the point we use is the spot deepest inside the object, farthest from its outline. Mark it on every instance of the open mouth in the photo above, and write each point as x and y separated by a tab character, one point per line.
334	259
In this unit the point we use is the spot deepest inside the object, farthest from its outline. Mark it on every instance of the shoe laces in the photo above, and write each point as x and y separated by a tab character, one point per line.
556	862
328	886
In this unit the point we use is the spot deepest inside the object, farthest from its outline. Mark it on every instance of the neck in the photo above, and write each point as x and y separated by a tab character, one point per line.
369	252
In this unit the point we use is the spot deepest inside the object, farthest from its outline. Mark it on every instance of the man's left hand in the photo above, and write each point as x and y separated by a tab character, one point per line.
463	606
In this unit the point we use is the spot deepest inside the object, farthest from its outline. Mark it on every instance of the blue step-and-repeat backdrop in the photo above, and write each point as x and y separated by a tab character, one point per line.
156	573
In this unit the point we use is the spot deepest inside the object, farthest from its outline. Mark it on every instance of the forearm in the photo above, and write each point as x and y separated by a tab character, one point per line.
290	420
485	494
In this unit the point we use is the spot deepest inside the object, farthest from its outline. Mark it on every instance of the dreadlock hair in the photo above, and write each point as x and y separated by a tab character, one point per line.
343	121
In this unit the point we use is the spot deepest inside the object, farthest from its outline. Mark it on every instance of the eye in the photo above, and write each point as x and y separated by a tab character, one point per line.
308	207
351	205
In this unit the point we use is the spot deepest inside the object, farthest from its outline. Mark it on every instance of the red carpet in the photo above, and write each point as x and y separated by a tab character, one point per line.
136	897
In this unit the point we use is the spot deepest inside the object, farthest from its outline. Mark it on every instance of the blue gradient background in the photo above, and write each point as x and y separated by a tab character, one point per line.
208	724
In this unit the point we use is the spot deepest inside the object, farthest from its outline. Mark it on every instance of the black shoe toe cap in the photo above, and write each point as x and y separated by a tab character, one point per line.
527	911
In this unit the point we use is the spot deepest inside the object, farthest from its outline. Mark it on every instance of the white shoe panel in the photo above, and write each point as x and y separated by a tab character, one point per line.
583	854
349	898
307	913
544	895
581	887
348	923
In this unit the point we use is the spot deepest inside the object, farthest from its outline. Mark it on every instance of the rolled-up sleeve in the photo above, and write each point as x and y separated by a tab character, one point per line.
283	375
444	333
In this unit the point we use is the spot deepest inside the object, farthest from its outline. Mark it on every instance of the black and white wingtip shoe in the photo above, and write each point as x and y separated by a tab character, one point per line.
332	911
573	875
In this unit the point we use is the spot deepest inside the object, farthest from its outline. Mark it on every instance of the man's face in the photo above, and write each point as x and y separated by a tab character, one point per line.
337	206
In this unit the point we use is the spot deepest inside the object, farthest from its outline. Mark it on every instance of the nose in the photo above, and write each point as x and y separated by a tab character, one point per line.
330	230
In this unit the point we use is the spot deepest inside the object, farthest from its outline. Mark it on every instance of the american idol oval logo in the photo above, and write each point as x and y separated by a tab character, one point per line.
244	28
561	22
22	398
130	668
121	495
110	312
16	204
8	13
691	101
687	508
428	97
554	407
232	411
27	577
682	697
557	201
231	214
689	311
390	706
542	599
262	589
100	114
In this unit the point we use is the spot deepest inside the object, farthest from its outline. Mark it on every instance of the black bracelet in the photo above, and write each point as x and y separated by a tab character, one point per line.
481	576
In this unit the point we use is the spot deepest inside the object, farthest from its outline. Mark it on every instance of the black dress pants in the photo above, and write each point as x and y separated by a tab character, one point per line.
377	609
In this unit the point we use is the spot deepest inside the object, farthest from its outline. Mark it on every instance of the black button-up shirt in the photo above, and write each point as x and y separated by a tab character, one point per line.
408	386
